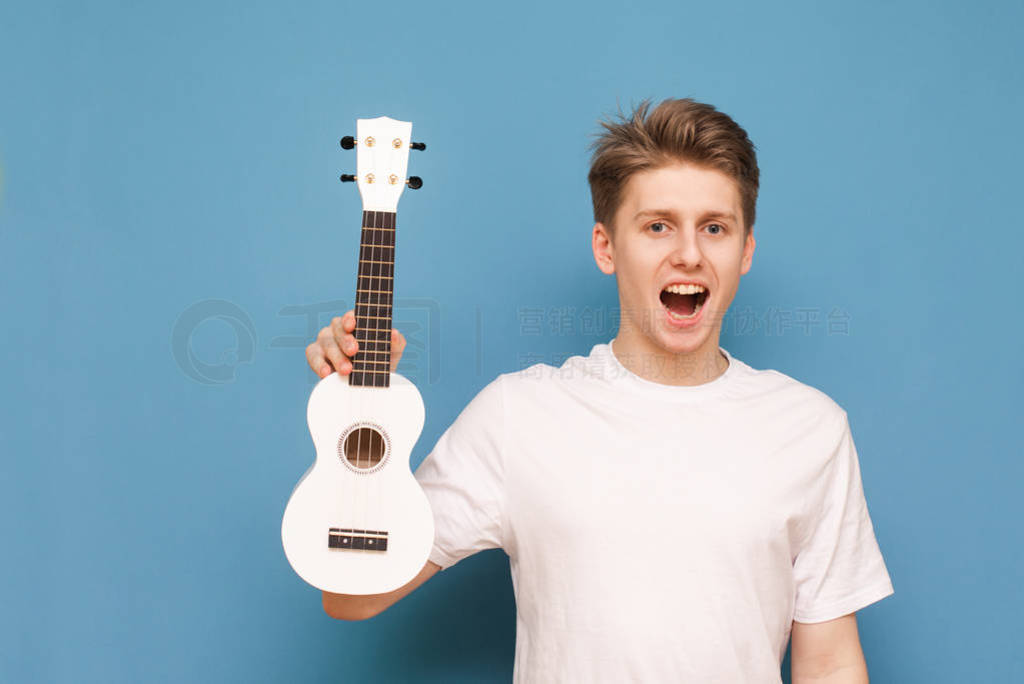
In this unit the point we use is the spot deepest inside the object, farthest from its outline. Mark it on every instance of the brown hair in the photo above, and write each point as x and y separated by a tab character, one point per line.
675	131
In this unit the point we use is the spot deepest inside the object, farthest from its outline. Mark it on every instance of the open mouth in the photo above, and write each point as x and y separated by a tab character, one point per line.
683	302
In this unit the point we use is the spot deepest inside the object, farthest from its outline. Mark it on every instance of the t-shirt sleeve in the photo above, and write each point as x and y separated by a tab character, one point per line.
463	478
839	568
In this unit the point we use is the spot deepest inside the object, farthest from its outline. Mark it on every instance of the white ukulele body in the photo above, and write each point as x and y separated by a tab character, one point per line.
368	496
358	522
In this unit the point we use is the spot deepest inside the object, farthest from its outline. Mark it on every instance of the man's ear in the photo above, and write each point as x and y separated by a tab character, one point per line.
603	250
748	253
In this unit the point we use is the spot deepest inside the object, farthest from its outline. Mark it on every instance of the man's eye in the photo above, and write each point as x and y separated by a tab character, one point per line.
658	227
715	225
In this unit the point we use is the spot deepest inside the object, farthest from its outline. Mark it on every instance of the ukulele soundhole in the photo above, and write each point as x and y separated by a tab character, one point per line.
364	448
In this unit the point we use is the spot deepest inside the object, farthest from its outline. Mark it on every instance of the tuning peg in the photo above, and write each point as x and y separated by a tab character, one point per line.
418	146
348	178
415	182
348	142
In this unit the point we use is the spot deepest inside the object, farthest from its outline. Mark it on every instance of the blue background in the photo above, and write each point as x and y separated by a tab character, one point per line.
169	199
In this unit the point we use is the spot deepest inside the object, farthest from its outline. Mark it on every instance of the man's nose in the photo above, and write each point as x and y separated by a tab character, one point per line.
687	251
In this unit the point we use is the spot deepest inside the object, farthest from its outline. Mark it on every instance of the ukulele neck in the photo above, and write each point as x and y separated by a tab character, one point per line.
371	366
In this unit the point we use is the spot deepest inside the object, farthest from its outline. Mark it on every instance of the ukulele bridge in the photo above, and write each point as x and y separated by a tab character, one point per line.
363	540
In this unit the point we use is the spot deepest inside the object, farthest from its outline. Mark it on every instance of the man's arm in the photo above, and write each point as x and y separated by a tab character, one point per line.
828	652
354	607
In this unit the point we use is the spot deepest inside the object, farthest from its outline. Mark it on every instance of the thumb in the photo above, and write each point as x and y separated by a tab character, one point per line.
397	347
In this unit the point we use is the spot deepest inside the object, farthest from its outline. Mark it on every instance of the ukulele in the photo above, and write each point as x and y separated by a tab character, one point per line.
357	522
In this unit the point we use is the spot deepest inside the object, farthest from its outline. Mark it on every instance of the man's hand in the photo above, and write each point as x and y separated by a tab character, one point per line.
335	346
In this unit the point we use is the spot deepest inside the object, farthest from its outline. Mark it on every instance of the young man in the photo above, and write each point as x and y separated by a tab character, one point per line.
670	513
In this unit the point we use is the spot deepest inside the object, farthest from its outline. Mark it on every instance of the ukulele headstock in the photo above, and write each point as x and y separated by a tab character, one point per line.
382	160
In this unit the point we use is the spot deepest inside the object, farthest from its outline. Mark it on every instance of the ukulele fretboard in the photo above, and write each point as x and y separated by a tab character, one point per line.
374	293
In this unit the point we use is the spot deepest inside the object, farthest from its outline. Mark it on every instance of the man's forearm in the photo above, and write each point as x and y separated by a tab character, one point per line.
855	673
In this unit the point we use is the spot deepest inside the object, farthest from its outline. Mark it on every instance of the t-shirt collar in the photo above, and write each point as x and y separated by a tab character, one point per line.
623	378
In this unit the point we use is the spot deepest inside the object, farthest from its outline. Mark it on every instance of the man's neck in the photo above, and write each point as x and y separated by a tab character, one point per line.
641	357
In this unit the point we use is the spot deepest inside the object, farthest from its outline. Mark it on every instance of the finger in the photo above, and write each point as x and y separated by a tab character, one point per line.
341	326
325	336
316	360
348	344
341	363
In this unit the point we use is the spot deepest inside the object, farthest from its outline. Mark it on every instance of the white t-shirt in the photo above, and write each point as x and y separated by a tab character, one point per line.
657	533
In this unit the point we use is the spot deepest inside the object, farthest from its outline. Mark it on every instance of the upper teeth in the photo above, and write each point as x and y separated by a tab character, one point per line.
684	289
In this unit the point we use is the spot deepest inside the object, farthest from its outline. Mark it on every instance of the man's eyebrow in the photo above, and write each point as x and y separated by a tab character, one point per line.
712	214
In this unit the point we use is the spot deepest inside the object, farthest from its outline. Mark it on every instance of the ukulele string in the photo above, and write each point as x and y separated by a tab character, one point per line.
384	261
360	355
378	265
369	355
388	268
366	362
372	354
370	361
350	504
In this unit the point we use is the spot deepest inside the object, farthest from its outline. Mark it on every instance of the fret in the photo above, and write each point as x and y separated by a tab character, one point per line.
374	261
372	228
379	219
374	246
384	277
359	360
387	292
377	318
369	378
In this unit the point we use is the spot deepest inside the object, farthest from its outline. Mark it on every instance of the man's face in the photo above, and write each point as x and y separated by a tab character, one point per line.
678	224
